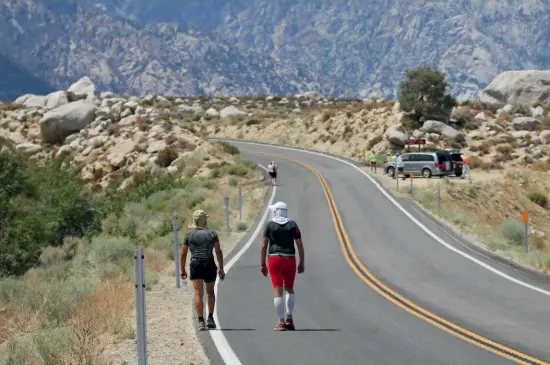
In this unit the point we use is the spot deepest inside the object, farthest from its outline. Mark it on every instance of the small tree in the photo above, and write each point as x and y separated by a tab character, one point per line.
424	95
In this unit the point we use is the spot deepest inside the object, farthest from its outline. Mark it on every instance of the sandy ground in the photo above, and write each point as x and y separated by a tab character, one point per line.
171	320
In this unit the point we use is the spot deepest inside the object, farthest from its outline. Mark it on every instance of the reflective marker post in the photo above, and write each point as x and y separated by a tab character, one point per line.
240	204
412	178
226	202
396	173
438	195
525	220
139	282
176	250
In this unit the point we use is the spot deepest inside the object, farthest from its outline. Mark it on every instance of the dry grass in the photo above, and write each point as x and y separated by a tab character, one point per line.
106	307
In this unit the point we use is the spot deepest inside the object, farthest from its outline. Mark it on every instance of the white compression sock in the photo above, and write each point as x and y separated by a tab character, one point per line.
290	300
280	307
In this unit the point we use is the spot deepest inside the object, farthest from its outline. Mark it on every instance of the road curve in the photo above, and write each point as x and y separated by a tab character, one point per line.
454	310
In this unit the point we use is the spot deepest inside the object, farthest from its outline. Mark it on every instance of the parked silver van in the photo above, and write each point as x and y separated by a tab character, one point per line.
425	164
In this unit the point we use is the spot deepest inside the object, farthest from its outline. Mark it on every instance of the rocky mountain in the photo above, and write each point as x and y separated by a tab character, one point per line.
339	48
60	42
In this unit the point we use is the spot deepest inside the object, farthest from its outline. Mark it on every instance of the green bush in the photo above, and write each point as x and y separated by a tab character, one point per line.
41	206
237	169
233	181
538	198
166	156
513	231
241	227
229	148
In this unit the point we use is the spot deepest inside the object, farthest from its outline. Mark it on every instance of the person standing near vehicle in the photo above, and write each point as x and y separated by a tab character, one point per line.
466	167
399	164
280	234
202	241
372	160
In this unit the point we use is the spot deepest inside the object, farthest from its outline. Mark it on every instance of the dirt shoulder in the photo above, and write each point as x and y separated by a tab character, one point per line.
171	318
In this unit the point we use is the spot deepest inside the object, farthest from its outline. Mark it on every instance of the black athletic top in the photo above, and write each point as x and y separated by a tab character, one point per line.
281	238
201	243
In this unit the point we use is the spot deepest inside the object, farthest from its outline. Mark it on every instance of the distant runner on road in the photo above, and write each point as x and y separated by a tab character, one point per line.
272	168
202	241
280	234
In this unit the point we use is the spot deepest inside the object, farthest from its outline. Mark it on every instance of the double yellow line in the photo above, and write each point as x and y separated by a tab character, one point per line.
394	297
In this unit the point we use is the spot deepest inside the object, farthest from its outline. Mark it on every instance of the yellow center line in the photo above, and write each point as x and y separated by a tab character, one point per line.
396	298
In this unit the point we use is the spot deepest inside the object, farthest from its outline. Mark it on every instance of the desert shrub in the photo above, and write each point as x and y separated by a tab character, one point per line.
232	181
241	227
463	115
166	156
538	198
229	148
541	166
513	231
505	149
374	141
252	121
475	162
237	169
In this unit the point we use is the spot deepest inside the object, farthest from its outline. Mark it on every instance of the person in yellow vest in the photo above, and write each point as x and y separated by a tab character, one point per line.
372	160
466	167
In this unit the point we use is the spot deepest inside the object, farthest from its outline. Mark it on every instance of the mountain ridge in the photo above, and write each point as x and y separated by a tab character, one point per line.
343	49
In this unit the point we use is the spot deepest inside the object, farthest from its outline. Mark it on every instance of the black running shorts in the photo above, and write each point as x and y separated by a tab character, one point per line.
273	174
203	269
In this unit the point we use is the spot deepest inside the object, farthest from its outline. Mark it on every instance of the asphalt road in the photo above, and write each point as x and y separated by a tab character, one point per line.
340	319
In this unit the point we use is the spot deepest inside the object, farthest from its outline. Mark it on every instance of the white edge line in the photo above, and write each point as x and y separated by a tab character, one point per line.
226	352
411	217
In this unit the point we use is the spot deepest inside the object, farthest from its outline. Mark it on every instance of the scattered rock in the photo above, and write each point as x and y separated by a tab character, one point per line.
212	112
83	88
28	147
545	136
518	87
119	153
60	122
537	112
451	133
433	126
395	135
525	123
231	111
56	99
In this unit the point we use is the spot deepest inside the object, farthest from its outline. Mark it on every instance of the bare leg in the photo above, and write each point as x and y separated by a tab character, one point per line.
211	297
199	292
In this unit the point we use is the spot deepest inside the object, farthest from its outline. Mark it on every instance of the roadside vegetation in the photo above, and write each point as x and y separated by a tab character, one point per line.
66	254
490	212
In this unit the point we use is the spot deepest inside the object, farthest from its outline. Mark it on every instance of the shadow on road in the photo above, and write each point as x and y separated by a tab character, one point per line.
316	330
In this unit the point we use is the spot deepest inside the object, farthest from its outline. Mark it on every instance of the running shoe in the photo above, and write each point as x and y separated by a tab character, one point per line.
202	326
280	326
289	324
211	324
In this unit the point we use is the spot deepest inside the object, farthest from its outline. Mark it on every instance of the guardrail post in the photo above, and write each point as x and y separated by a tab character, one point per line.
226	202
240	204
139	282
176	250
438	195
525	220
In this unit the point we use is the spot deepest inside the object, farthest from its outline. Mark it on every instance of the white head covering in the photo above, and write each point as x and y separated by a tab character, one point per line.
279	213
